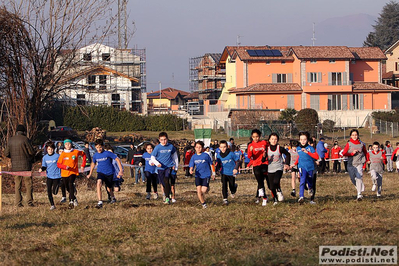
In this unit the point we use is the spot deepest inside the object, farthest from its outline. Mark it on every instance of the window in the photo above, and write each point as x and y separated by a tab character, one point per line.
81	99
106	57
335	78
283	62
356	101
267	62
314	77
334	102
116	97
313	61
315	102
291	101
135	83
331	61
87	57
102	79
91	79
353	62
281	78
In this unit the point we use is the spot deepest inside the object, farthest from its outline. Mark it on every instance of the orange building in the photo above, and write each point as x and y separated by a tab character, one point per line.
343	84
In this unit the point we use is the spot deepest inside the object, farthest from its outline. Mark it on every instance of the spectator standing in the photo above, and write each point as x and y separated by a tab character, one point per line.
21	152
388	154
139	163
129	159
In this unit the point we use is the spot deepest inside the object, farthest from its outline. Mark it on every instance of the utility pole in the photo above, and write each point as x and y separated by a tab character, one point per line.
160	96
314	33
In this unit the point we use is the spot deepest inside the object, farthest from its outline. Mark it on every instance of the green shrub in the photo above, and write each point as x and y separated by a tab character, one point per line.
307	120
111	119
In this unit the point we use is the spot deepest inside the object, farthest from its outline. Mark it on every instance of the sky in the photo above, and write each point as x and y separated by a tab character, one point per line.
172	31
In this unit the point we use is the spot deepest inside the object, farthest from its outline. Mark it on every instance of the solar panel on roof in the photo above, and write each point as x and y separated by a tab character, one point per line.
252	53
276	53
260	52
268	53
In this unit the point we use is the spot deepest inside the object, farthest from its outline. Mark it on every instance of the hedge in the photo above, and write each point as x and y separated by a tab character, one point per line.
111	119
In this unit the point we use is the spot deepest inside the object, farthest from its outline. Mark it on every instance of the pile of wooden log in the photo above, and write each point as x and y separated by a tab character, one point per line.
131	138
95	133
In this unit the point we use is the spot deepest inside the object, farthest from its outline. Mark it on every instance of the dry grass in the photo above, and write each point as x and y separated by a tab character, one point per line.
136	231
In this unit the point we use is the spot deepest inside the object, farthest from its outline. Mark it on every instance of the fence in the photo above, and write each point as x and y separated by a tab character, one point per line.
385	127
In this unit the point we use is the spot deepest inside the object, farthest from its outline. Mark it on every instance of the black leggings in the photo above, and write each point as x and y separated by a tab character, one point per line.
337	166
260	173
274	181
68	183
231	180
152	179
52	188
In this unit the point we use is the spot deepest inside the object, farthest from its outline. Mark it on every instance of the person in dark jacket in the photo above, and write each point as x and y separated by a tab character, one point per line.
21	153
129	158
139	164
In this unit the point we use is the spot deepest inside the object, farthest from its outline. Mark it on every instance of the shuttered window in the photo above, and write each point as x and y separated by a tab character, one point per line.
291	101
315	102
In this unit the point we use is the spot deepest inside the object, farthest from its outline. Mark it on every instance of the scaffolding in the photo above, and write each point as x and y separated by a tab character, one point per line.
206	77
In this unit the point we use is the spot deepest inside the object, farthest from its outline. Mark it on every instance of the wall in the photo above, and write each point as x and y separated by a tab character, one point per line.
366	71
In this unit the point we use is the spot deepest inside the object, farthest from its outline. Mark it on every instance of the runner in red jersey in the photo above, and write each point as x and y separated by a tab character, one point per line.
256	149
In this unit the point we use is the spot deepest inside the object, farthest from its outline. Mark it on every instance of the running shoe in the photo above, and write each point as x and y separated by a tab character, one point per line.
75	203
312	202
173	200
293	193
155	195
373	188
275	203
378	195
280	196
257	201
52	207
167	201
113	200
63	200
225	202
301	200
71	205
148	196
359	197
99	205
264	202
204	206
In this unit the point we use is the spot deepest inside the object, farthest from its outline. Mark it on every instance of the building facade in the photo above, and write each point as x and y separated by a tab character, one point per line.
103	75
343	84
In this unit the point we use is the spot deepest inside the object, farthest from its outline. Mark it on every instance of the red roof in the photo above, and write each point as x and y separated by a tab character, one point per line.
322	52
372	86
268	87
168	93
368	53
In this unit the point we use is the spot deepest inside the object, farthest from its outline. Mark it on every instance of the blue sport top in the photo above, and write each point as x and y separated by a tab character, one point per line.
228	163
104	162
202	164
238	154
50	162
149	168
246	158
163	154
305	161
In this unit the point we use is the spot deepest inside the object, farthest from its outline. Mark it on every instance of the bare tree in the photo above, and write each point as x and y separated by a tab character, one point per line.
38	44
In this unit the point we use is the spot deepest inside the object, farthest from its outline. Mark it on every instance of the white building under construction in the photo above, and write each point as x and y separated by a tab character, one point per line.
103	75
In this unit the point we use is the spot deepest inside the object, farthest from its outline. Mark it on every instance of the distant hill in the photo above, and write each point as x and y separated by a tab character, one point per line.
349	30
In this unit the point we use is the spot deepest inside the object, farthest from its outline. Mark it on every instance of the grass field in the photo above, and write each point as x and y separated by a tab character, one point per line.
136	231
